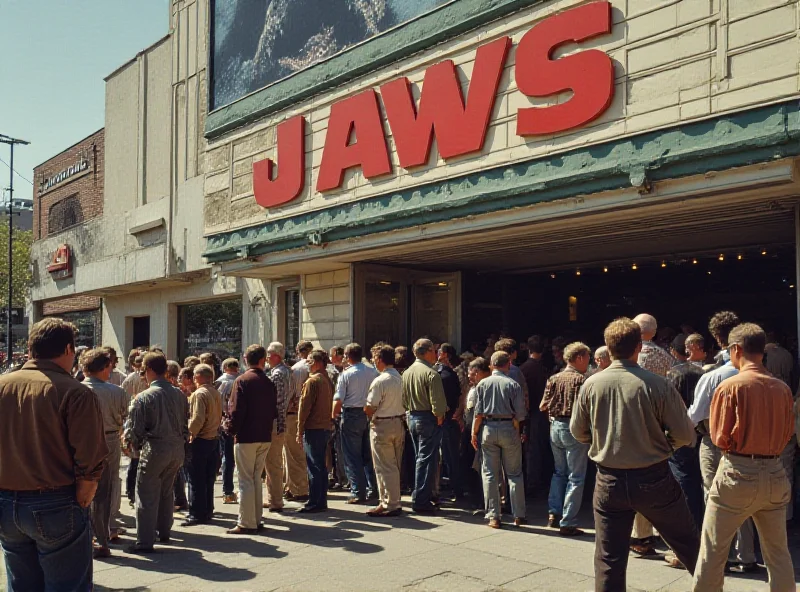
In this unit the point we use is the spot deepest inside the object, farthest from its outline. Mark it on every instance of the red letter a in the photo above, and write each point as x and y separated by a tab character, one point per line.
459	129
358	113
589	74
290	180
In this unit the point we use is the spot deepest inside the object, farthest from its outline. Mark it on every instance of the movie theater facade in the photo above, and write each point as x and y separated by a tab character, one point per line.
519	165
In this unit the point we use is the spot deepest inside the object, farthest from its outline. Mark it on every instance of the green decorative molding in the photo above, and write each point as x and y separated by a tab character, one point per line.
378	52
749	137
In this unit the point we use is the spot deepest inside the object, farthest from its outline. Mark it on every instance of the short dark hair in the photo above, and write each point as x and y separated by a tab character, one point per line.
156	362
721	325
402	358
95	360
191	362
384	352
111	351
49	338
209	358
254	354
450	351
750	337
536	344
186	373
318	355
132	355
622	337
303	347
337	350
353	352
173	369
480	364
507	345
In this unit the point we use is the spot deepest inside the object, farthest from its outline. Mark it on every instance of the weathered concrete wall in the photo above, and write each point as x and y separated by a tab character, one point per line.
675	62
325	304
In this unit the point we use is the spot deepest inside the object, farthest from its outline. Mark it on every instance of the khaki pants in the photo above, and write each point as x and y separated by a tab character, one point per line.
744	551
787	458
388	438
250	462
745	488
642	528
294	458
274	468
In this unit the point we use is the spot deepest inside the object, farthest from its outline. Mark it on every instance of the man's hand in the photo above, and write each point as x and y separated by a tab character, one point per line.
440	420
84	491
460	422
475	441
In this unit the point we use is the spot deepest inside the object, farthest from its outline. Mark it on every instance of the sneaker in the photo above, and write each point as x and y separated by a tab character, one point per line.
230	499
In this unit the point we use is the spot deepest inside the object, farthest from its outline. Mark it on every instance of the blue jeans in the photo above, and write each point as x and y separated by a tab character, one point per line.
426	435
47	541
357	452
501	445
451	443
315	445
228	463
566	486
685	466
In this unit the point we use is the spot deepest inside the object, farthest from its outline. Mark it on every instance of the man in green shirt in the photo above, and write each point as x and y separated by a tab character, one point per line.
424	400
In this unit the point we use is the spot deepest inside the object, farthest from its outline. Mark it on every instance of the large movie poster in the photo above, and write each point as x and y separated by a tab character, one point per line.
257	42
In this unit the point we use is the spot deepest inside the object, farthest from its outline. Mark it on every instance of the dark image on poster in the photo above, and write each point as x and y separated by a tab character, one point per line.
257	42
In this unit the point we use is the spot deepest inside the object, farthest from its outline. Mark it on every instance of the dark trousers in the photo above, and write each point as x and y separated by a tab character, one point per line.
358	452
202	474
426	436
451	441
130	479
315	445
47	541
228	463
407	469
654	493
685	467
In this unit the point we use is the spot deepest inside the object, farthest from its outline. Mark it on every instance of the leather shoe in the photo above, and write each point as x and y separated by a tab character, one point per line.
274	510
553	520
494	523
309	510
520	521
137	548
429	509
101	552
354	500
570	531
192	521
240	530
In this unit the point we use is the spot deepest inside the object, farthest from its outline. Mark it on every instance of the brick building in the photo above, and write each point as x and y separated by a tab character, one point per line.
68	191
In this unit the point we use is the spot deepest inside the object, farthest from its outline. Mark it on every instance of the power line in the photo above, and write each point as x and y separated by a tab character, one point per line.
17	173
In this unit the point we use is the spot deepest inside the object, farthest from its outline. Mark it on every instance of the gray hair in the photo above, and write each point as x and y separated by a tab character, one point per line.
422	347
647	323
173	369
573	350
277	348
500	359
205	371
602	352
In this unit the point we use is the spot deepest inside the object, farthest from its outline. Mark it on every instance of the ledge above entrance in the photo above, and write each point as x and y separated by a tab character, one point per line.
746	138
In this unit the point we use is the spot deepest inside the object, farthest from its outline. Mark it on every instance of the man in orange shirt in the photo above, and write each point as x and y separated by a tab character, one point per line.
751	422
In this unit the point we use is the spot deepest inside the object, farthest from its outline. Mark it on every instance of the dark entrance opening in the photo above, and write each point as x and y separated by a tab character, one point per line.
141	332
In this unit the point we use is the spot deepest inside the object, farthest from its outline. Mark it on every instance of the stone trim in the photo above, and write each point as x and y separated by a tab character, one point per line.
378	52
749	137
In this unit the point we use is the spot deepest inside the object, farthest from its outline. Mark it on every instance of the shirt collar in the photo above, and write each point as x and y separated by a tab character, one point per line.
726	356
498	373
161	382
391	371
93	380
624	364
44	365
423	362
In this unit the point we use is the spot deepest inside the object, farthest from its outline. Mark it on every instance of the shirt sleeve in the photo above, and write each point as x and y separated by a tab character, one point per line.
438	400
374	395
237	407
702	400
580	424
341	387
135	432
279	379
547	397
722	422
518	400
197	405
677	425
84	422
307	399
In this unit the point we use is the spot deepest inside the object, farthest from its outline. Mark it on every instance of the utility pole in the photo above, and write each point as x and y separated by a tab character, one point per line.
9	334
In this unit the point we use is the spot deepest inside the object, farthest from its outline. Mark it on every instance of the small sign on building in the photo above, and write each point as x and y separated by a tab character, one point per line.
61	263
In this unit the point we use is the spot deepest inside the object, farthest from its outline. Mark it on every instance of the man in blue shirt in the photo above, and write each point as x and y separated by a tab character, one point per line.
348	405
499	408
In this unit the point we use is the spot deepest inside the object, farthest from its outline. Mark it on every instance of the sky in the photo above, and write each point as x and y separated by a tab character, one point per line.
54	55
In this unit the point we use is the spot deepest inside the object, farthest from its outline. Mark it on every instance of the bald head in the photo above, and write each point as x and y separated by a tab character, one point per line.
647	323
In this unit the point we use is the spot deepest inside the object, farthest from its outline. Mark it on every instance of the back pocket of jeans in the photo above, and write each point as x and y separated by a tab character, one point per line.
779	490
56	524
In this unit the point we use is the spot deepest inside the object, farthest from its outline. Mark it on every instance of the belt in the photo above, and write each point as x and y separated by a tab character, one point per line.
490	418
753	456
112	431
562	418
388	417
291	413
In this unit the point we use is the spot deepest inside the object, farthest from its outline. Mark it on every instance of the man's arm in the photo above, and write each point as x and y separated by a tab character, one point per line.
237	407
281	382
197	405
677	425
374	399
701	404
438	400
580	425
136	430
84	421
722	421
307	399
547	397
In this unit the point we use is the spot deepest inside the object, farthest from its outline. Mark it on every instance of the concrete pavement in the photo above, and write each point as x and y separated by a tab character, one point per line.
345	550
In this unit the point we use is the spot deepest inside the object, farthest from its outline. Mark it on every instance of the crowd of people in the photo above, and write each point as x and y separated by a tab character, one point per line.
694	448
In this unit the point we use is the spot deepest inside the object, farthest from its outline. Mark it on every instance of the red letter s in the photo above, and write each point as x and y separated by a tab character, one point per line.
290	180
589	74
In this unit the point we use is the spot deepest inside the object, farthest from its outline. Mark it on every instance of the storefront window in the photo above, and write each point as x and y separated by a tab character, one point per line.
292	321
89	327
383	314
211	327
432	311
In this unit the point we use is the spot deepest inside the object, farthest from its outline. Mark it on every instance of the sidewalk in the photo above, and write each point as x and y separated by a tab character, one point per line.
344	550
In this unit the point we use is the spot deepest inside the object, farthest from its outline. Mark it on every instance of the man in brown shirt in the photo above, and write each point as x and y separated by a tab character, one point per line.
205	406
571	456
314	428
52	452
751	421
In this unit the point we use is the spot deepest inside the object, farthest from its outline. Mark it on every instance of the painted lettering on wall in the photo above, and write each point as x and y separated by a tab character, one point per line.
356	137
81	165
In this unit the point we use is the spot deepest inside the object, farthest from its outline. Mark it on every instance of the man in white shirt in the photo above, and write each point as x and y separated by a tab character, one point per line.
387	436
